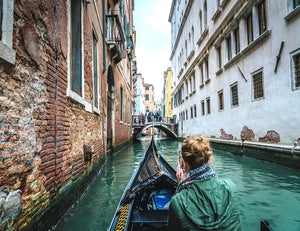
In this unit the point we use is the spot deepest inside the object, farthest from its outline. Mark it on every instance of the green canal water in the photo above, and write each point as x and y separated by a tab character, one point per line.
266	191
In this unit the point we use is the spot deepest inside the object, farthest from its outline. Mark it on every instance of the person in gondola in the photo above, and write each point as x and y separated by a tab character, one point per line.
202	200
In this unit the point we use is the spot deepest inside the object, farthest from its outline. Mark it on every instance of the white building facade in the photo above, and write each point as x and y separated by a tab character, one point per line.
235	69
139	96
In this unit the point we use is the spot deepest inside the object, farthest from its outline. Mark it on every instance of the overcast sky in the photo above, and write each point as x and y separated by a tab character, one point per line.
153	45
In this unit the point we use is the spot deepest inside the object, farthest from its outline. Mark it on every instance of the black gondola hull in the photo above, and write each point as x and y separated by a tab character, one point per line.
144	203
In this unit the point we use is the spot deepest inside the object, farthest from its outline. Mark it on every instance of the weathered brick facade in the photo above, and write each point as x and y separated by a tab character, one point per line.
42	129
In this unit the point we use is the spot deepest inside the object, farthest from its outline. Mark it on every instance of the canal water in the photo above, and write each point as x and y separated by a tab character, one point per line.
266	191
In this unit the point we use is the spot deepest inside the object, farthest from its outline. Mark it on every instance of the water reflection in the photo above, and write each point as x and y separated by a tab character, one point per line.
266	191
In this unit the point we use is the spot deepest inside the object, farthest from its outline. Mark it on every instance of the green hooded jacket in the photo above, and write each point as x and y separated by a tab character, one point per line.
209	204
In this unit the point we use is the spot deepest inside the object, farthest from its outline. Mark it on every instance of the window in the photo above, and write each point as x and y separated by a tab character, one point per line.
6	31
219	54
201	74
192	113
206	69
200	20
76	48
186	114
205	14
95	70
208	105
296	69
229	51
187	88
193	36
195	111
121	104
234	95
190	39
236	34
147	97
296	3
202	108
221	100
249	29
194	82
186	49
257	80
262	19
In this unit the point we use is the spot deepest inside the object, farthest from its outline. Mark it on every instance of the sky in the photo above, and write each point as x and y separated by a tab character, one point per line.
153	41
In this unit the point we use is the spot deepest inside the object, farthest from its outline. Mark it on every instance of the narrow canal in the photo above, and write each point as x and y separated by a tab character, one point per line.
267	191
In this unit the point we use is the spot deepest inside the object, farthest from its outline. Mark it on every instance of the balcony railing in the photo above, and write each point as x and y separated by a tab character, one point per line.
115	37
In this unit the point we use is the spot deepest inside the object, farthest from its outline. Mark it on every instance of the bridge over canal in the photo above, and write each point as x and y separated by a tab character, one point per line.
142	124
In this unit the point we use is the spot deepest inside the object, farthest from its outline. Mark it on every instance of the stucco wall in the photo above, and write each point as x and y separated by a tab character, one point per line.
278	111
43	129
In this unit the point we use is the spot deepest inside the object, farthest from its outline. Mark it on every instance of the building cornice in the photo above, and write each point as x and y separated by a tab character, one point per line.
231	19
186	13
171	10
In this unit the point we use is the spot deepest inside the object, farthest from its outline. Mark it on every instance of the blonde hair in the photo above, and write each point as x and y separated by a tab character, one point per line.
196	151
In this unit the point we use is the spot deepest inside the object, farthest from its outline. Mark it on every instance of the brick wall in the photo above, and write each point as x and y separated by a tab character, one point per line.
42	131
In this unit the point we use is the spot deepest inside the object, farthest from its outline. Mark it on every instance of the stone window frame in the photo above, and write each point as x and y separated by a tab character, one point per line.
7	53
249	26
219	56
206	71
205	22
295	80
202	108
261	9
193	82
236	40
201	74
187	88
292	10
208	106
258	87
221	100
96	97
229	47
234	95
70	93
195	110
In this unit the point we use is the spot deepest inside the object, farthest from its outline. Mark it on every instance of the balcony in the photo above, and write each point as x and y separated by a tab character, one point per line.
115	38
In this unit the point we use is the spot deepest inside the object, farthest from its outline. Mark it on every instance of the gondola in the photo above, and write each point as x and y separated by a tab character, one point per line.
144	203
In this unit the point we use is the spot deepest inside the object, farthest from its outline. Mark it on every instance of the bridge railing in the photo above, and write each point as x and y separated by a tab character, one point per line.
139	119
143	119
168	120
